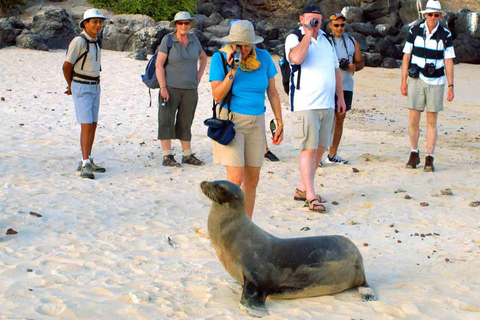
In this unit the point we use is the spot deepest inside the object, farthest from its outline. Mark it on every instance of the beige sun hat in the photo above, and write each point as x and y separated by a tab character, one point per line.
433	7
91	14
242	32
180	16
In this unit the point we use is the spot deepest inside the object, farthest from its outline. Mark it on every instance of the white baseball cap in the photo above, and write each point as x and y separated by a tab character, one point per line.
92	14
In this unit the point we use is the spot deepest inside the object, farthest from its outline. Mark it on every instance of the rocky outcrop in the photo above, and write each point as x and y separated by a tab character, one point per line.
9	30
56	26
379	26
467	49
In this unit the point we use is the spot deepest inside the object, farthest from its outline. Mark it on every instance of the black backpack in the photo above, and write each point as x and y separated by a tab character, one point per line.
289	70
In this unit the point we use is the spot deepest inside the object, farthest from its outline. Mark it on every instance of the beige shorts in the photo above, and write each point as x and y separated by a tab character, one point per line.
421	95
313	128
248	146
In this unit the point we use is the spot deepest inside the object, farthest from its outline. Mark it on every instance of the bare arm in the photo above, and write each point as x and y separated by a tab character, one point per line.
274	99
339	92
449	72
68	74
220	88
358	58
203	65
405	66
160	73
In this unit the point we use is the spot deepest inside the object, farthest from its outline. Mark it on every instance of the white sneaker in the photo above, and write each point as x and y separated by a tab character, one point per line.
336	159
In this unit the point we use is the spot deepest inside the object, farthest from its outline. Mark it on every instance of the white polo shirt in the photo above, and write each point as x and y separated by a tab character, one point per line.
317	80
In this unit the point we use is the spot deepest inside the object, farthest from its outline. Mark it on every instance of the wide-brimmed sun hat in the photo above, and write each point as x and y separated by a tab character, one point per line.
433	7
183	15
242	32
91	14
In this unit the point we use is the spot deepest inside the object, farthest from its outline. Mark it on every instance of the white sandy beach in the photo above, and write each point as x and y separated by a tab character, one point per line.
124	245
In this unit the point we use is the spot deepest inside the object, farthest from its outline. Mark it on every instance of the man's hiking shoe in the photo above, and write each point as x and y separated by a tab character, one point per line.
321	164
414	160
86	171
191	159
270	156
336	159
95	168
429	167
169	161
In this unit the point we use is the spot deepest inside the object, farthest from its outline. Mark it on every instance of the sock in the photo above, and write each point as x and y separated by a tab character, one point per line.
431	155
84	162
167	152
186	153
415	150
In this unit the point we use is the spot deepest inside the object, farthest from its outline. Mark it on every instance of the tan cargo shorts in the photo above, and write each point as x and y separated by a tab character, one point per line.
313	128
421	95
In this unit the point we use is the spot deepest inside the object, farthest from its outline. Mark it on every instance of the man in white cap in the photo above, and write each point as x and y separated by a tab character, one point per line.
428	56
82	71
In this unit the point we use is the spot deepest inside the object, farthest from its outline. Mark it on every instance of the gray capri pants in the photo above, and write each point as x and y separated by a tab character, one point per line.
176	117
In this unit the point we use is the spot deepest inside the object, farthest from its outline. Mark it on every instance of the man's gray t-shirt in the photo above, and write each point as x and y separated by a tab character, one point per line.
182	63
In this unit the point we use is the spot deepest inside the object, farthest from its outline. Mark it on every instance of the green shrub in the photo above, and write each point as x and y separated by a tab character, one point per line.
6	5
157	9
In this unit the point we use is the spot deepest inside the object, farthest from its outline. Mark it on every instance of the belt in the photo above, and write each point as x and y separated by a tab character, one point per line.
87	82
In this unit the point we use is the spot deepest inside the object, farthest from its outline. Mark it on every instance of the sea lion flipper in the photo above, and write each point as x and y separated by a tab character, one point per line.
367	293
253	300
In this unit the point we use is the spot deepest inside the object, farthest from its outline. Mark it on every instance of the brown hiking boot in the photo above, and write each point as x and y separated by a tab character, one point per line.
429	167
169	161
414	160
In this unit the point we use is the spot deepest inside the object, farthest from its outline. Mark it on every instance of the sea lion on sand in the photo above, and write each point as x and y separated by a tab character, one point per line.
282	268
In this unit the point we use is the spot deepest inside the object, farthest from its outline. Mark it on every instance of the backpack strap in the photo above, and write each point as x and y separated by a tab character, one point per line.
84	57
228	97
169	45
297	68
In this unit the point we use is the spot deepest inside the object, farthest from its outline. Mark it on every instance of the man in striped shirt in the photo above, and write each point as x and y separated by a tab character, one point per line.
428	56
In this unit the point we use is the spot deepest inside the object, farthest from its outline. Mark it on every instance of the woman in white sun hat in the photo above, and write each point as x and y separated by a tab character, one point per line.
249	81
179	74
427	66
82	72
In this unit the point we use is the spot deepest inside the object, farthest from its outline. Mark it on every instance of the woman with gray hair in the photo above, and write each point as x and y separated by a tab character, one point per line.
248	81
178	75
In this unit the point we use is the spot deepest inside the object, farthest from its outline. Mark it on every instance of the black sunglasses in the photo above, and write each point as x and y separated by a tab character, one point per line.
339	25
436	15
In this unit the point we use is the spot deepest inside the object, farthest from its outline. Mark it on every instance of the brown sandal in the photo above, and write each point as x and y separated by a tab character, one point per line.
303	196
314	207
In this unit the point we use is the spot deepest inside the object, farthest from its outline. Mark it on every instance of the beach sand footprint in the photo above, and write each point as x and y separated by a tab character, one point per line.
52	309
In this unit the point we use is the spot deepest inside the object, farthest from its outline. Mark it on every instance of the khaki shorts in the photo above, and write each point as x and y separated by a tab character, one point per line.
248	146
421	94
313	128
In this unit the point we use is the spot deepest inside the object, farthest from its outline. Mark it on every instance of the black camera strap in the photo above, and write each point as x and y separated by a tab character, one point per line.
228	97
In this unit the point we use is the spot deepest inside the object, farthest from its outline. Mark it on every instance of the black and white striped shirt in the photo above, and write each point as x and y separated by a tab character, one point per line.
427	47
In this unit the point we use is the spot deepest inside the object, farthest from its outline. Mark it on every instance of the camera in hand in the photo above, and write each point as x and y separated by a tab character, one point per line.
429	69
414	71
237	58
344	64
313	23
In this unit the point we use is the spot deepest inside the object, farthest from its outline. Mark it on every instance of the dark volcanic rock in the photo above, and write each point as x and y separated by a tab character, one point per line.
467	49
119	30
386	30
408	10
9	30
372	59
361	40
374	9
31	40
390	63
468	22
205	8
56	27
366	29
353	14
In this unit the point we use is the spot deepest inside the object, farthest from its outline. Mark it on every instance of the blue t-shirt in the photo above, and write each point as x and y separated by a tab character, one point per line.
248	91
